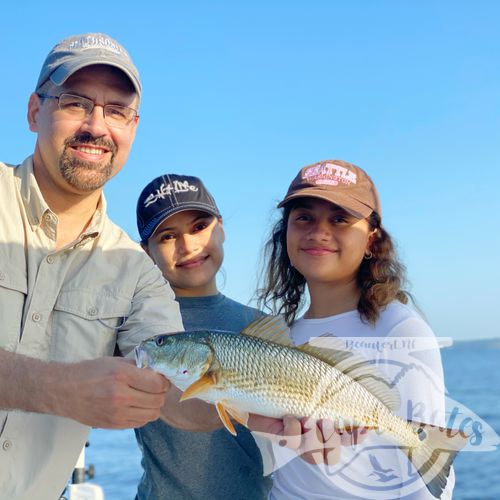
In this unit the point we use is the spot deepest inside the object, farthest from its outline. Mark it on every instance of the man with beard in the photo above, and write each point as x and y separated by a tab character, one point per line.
73	286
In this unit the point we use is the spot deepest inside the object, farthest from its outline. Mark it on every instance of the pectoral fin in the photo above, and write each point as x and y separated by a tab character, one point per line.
203	384
240	416
226	420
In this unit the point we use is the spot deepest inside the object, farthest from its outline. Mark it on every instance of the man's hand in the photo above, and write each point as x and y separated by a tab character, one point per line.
110	393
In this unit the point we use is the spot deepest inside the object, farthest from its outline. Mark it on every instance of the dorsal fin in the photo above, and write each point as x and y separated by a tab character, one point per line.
270	328
331	350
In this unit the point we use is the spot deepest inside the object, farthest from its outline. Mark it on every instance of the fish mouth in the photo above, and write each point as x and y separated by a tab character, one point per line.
141	357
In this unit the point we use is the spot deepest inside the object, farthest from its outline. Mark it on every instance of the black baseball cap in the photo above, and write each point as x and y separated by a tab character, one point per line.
167	195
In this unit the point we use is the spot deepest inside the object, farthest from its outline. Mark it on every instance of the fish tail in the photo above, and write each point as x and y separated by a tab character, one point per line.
435	454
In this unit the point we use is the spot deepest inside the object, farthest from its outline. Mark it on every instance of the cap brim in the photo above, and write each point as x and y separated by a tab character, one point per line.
349	204
68	68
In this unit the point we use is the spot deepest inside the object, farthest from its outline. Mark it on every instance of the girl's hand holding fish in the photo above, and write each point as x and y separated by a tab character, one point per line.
321	442
316	441
285	432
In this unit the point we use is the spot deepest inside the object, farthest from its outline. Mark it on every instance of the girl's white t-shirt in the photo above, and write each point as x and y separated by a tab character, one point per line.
404	348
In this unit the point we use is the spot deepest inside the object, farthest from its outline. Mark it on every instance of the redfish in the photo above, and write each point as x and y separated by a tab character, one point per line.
261	371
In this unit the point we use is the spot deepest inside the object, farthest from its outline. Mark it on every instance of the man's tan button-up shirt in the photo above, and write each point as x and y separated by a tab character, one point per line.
65	305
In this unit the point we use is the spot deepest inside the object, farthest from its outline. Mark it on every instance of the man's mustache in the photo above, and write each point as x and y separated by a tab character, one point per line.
87	138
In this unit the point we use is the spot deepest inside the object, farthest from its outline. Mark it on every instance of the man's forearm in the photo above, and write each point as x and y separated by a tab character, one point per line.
25	383
103	392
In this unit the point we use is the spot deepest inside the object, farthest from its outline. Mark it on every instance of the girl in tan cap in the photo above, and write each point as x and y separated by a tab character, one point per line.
330	242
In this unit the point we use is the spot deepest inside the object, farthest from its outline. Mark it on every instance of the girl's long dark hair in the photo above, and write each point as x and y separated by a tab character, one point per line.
380	278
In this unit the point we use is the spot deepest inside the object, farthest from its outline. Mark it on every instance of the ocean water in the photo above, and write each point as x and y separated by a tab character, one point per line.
472	377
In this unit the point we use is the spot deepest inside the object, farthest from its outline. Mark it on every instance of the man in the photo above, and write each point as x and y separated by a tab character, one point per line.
181	229
73	286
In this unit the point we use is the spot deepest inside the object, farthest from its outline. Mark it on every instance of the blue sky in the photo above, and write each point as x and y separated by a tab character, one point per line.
243	94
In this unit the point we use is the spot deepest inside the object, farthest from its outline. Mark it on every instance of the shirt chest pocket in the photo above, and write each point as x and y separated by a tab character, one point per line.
13	290
85	324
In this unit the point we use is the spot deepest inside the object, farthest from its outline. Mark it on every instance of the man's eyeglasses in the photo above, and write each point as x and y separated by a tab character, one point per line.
80	107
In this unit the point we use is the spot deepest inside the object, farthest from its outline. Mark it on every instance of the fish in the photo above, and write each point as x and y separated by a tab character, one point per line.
261	371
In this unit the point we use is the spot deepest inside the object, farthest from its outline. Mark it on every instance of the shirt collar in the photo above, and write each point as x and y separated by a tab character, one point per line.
97	223
32	197
36	206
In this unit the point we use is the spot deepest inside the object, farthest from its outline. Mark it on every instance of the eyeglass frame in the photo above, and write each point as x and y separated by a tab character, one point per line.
94	104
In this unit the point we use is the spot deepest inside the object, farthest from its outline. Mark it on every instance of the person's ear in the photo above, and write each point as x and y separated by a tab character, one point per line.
223	234
372	236
34	105
145	248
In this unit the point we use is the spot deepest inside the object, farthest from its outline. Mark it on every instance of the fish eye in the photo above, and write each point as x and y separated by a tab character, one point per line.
159	340
185	372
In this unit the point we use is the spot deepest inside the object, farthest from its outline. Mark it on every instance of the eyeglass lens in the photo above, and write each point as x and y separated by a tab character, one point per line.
80	107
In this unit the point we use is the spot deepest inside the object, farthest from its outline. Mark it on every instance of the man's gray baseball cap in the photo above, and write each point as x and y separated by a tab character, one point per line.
78	51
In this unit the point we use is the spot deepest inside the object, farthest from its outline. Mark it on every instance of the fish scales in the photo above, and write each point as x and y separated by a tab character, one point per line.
290	381
268	378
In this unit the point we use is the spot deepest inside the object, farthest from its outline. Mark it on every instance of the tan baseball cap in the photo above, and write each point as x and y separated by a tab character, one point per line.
78	51
339	182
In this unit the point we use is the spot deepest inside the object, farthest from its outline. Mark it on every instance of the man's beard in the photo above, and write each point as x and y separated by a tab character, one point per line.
86	175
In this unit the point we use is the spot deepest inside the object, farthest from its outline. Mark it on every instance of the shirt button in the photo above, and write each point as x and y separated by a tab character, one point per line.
47	217
7	445
2	276
36	317
50	259
92	311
